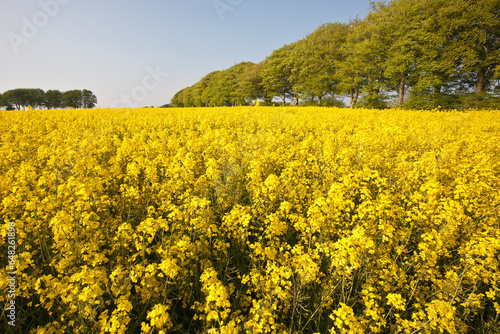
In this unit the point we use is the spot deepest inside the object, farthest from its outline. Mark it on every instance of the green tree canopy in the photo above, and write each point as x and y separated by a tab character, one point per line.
317	58
73	98
37	98
474	28
251	84
223	88
53	99
440	51
16	97
279	73
89	100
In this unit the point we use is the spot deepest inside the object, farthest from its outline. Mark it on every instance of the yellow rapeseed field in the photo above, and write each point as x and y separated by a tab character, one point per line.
251	220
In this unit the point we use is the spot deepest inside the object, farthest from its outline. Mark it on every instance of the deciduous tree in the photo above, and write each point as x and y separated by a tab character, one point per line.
73	99
474	27
16	97
278	71
251	84
89	100
53	99
316	57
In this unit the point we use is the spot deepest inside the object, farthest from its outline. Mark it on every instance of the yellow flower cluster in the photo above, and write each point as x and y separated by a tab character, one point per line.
252	220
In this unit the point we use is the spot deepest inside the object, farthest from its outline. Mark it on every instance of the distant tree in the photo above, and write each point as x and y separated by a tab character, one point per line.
367	44
4	103
188	97
176	100
437	63
317	56
35	97
53	99
201	93
73	99
234	76
206	90
277	73
89	100
184	98
474	26
222	88
429	52
351	76
251	84
16	97
405	39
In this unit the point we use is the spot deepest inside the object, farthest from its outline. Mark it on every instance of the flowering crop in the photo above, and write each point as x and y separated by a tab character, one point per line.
252	220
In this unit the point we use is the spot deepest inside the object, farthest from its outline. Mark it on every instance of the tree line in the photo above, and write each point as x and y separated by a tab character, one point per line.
37	98
414	53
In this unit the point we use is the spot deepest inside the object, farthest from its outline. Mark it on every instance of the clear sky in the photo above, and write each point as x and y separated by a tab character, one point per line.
140	53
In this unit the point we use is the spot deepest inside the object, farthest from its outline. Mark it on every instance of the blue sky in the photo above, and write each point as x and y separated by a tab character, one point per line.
138	53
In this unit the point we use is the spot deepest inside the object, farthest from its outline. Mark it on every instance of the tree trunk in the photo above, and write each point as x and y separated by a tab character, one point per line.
295	99
481	80
401	92
376	94
354	96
